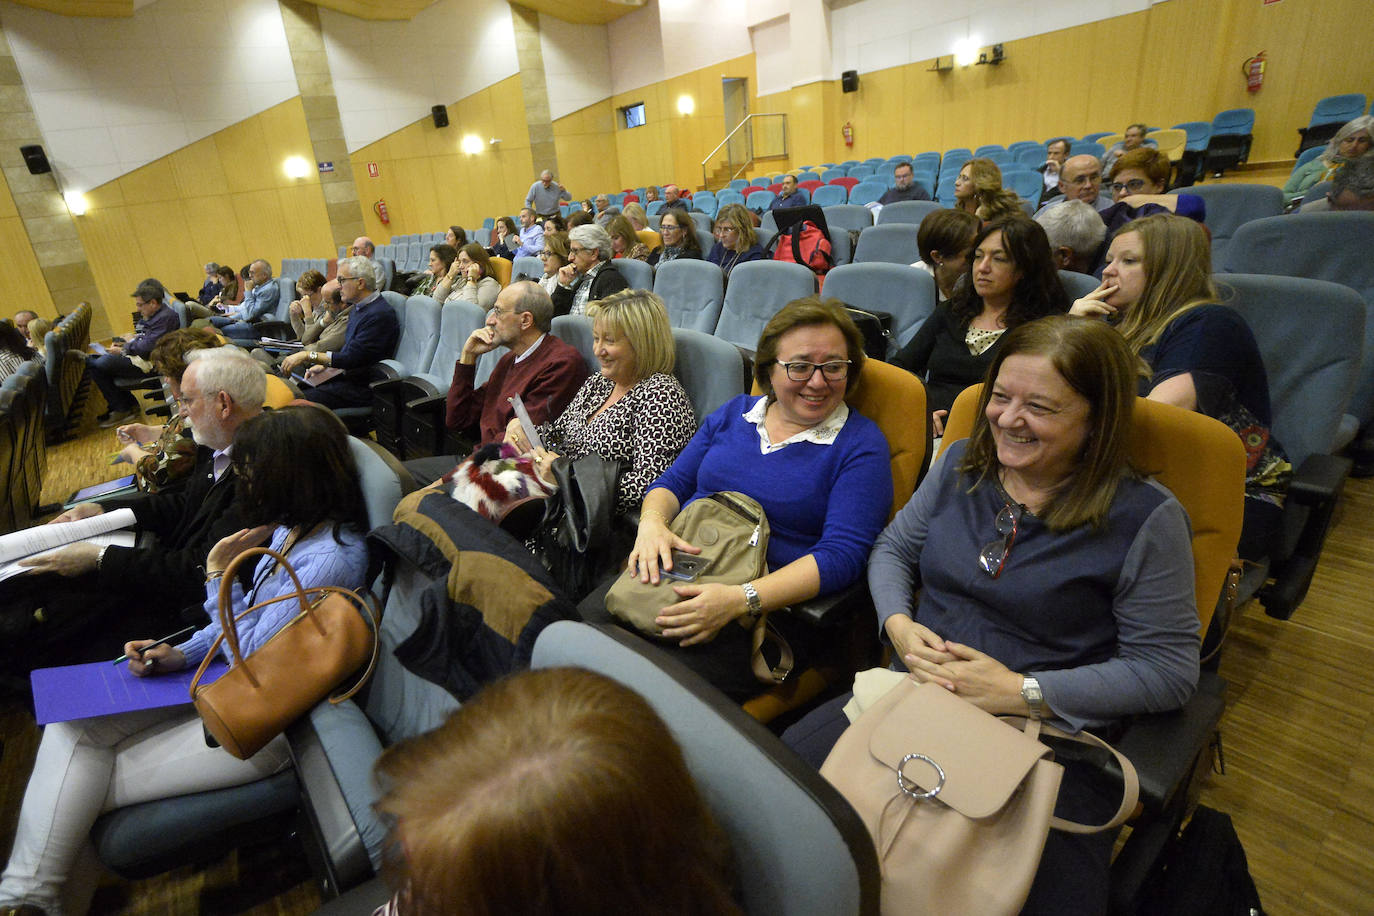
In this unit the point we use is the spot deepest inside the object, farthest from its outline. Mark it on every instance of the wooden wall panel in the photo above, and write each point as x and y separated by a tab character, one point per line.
21	283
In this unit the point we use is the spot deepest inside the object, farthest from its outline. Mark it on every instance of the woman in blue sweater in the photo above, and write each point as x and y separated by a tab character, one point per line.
820	471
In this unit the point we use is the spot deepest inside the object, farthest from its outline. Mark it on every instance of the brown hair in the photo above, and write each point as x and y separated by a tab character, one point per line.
557	790
690	242
619	228
1093	360
1178	275
946	231
990	200
578	218
310	281
737	215
801	313
168	355
477	253
1147	159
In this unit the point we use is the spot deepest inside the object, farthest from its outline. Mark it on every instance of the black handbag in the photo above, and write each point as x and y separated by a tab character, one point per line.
576	541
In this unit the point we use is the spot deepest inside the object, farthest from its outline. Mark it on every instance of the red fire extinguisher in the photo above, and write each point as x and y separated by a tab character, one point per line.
380	209
1254	72
848	132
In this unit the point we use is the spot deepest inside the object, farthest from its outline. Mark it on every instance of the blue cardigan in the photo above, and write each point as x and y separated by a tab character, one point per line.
826	500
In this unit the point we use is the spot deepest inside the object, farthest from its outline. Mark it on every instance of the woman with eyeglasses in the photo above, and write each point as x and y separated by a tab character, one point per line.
589	274
679	238
554	257
735	239
1352	141
1035	573
1141	177
469	279
1010	280
820	470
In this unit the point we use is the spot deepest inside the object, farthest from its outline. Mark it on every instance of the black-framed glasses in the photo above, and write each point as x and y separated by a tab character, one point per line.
993	556
1133	186
801	371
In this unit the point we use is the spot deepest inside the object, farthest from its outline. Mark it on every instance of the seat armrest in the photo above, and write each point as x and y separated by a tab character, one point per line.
389	387
390	368
427	404
1163	746
333	749
1319	478
829	610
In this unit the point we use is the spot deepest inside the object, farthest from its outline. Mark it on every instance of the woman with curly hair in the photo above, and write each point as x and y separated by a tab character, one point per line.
978	190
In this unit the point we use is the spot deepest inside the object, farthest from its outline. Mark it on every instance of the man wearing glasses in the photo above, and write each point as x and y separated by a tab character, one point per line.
1081	179
155	319
543	370
373	332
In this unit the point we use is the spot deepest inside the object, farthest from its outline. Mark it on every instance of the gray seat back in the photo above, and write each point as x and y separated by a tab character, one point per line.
757	290
710	370
907	292
799	846
1309	333
636	273
694	292
848	216
527	266
419	335
894	243
576	332
1077	285
907	211
1229	206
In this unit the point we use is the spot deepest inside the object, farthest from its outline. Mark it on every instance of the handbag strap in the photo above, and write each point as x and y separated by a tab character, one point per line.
1130	779
365	604
762	633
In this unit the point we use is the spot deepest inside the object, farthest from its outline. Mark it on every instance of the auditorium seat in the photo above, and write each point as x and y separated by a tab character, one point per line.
710	370
423	393
1229	206
907	293
637	273
907	211
757	290
894	243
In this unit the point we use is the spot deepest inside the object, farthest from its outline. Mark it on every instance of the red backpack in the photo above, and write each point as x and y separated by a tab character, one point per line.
802	239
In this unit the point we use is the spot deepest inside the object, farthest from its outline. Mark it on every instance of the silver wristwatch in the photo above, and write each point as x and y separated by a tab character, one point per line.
1030	692
752	599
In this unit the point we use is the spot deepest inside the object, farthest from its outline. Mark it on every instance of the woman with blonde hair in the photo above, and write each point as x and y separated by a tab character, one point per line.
563	774
469	279
624	242
1351	142
639	220
632	411
978	190
735	239
1157	290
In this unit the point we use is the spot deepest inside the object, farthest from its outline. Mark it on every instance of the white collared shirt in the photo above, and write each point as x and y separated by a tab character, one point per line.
220	462
823	433
534	346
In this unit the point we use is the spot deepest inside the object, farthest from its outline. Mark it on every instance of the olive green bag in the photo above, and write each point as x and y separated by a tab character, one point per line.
732	531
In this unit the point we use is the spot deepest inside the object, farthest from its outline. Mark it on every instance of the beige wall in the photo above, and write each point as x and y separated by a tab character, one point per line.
21	283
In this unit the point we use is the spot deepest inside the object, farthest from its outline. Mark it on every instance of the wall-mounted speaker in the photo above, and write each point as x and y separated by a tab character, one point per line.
35	159
849	81
440	114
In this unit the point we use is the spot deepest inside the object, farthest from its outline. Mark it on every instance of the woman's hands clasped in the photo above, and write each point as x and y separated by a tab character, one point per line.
977	677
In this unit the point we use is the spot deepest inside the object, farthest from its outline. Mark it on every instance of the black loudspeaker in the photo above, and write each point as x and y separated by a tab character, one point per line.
440	114
35	160
849	81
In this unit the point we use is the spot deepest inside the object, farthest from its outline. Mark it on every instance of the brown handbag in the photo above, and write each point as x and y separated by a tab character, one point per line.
958	802
260	695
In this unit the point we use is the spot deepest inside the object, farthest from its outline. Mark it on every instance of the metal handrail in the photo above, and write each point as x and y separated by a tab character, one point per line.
749	157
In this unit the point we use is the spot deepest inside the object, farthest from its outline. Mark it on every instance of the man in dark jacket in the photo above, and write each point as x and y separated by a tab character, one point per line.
155	319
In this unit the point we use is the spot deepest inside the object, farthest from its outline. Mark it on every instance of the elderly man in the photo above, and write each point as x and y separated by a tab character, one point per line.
155	319
906	187
545	195
325	329
1080	178
673	198
258	303
1131	139
1352	188
543	370
373	331
362	247
603	203
531	234
221	389
21	321
789	196
1076	233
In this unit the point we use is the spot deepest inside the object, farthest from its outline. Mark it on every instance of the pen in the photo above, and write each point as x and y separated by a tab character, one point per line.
166	639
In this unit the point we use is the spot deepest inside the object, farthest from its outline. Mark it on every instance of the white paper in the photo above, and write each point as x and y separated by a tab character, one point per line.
19	544
527	425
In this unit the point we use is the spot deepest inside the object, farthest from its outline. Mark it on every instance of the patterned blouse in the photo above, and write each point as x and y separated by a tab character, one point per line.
644	430
172	459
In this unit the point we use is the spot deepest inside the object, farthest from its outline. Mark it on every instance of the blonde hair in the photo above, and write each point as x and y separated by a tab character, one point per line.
990	199
619	228
1177	259
643	319
738	215
636	215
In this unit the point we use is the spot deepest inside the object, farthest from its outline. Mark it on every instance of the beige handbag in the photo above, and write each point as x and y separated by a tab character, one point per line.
958	802
732	531
334	634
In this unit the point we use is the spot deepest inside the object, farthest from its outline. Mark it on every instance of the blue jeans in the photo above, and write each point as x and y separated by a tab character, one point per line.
232	327
104	370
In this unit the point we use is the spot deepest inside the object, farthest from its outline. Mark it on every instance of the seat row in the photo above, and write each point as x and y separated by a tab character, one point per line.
64	361
23	459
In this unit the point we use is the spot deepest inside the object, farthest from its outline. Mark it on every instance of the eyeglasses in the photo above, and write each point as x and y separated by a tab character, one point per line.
578	250
342	279
1132	187
546	253
498	312
993	556
833	371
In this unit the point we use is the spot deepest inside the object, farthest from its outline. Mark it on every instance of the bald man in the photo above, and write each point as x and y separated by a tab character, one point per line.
362	247
1080	178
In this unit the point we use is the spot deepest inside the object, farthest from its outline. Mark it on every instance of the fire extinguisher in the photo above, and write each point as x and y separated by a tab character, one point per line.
1254	72
380	209
848	132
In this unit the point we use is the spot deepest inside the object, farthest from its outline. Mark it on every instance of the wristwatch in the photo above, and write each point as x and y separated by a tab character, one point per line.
752	599
1030	692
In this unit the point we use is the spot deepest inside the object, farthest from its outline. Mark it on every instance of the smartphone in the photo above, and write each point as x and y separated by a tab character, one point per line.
686	567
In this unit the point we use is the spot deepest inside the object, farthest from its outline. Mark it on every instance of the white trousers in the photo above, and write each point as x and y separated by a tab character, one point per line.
89	766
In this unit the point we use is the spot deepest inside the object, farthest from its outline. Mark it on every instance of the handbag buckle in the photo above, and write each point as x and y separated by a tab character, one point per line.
910	788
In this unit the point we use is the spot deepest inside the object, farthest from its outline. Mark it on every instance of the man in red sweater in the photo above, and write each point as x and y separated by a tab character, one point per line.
543	370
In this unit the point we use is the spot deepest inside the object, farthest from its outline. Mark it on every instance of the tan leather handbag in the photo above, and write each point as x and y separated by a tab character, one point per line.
732	531
334	634
958	802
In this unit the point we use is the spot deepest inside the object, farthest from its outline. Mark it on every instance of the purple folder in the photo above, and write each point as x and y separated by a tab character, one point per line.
100	688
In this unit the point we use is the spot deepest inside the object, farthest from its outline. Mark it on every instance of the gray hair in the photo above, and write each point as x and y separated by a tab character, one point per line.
1357	177
265	263
1362	123
590	235
533	298
365	269
211	267
1074	225
231	370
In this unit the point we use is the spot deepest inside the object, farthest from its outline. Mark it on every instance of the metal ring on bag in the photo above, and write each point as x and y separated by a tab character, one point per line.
909	787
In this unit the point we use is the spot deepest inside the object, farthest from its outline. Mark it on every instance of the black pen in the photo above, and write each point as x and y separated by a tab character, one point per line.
166	639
